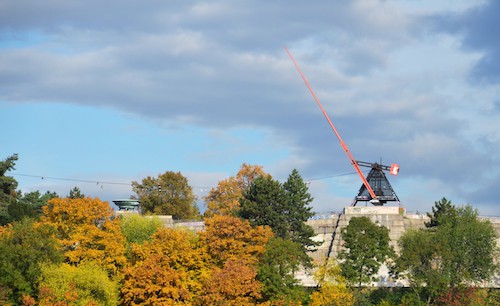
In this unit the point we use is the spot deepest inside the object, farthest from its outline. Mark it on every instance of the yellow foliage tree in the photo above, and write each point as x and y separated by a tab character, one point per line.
333	290
231	238
87	284
234	284
87	232
224	199
167	270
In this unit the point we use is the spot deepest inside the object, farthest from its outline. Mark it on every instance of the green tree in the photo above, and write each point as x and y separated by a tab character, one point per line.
458	252
298	202
281	259
440	208
283	207
168	194
29	204
23	247
8	187
138	229
75	193
366	247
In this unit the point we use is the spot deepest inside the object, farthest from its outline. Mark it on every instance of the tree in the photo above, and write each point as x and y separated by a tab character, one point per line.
168	194
366	247
283	207
332	285
168	270
75	193
138	229
23	248
87	231
299	198
281	260
460	251
234	284
440	208
8	187
87	284
231	238
224	199
417	263
29	204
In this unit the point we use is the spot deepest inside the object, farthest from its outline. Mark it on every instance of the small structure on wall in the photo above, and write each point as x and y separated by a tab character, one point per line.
127	204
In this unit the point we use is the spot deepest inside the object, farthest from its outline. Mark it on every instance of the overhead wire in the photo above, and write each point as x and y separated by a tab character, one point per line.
102	182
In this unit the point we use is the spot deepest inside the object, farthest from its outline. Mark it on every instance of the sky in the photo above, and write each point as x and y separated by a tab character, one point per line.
97	94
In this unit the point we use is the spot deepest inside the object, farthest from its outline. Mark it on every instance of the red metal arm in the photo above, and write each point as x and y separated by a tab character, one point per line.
342	143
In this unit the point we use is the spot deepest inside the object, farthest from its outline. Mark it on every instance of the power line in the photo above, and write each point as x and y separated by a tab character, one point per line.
98	182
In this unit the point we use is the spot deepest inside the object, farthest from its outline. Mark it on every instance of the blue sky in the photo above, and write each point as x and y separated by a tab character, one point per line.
101	95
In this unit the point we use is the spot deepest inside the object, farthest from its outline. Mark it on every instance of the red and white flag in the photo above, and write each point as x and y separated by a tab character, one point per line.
394	169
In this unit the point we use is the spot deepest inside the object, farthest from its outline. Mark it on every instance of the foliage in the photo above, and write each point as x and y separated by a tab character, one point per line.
234	284
458	252
23	247
86	231
224	199
168	194
169	269
284	207
281	260
441	208
30	204
8	187
104	245
231	238
87	283
332	287
137	228
366	247
75	193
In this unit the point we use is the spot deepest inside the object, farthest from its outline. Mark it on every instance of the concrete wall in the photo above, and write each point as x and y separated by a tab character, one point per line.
396	219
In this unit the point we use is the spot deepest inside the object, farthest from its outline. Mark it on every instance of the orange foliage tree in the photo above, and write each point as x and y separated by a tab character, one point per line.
224	199
234	284
87	231
167	270
231	238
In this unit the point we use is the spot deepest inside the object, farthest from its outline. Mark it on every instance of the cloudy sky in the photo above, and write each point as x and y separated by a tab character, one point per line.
98	94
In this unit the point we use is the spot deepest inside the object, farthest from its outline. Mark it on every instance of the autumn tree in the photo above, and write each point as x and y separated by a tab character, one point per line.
87	284
87	231
332	287
168	270
225	198
234	284
138	228
168	194
231	238
365	249
23	248
8	187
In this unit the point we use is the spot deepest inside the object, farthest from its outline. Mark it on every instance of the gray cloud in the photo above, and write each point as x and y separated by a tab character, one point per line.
222	65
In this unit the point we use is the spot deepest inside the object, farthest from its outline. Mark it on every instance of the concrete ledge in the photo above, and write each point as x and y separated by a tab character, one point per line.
373	210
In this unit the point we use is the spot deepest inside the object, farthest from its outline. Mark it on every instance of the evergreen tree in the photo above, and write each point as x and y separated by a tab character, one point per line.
75	193
8	187
441	208
283	207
